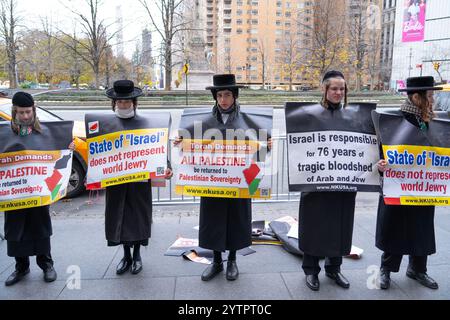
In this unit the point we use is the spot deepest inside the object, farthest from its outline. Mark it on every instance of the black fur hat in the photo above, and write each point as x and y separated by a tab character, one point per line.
333	74
22	99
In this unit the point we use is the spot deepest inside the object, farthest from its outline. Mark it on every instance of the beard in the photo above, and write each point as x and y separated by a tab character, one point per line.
19	122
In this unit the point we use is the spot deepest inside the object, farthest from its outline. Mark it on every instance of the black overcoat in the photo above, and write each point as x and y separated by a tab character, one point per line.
405	229
28	231
225	224
128	213
326	223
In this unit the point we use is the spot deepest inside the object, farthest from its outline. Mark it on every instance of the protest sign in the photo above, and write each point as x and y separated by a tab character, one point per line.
331	150
34	169
126	150
227	161
418	170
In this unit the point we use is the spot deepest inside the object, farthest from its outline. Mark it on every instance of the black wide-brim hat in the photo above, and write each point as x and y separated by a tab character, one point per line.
223	82
123	90
419	84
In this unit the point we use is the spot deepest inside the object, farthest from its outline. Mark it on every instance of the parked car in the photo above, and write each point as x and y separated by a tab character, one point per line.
79	163
305	88
442	98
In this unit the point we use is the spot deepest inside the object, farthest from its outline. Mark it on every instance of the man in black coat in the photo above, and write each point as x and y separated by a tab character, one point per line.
326	218
225	223
28	231
128	211
403	229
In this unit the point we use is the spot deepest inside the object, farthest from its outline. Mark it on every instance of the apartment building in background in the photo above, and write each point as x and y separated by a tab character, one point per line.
252	38
387	40
265	42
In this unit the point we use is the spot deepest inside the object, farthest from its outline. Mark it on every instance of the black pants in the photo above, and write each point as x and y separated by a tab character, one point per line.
391	262
311	265
44	261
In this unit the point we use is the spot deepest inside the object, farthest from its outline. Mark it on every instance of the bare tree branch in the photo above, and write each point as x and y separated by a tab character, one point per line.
172	23
326	38
96	35
9	23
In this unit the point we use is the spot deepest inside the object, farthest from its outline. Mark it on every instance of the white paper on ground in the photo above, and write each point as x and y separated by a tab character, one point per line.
293	231
184	242
290	220
355	252
195	258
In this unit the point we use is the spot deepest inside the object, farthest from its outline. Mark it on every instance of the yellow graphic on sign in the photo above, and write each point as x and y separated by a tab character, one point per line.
125	179
217	192
20	204
425	201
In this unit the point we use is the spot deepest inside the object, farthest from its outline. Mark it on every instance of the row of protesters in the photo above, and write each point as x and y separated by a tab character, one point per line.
325	218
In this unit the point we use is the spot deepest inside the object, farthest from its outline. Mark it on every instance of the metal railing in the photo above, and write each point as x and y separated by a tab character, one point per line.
280	191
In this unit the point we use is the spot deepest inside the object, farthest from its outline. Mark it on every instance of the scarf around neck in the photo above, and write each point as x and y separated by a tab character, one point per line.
232	112
411	108
24	130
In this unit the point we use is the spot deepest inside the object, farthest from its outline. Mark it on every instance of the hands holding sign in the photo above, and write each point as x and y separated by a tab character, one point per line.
177	141
168	174
382	165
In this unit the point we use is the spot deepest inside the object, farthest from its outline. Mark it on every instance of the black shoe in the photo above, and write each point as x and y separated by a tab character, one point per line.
124	265
385	279
15	277
50	275
212	270
232	271
137	266
312	281
422	278
340	280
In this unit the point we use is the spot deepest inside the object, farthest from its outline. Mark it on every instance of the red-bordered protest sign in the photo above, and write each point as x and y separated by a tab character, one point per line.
418	170
35	169
224	160
126	150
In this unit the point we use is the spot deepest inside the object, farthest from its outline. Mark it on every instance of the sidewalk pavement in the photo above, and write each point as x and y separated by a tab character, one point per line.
78	244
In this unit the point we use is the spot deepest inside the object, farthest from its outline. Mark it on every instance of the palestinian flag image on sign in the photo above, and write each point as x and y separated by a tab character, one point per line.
234	163
34	170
